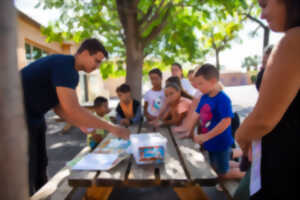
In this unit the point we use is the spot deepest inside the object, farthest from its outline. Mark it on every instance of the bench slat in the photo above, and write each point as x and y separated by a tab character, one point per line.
198	168
172	171
57	180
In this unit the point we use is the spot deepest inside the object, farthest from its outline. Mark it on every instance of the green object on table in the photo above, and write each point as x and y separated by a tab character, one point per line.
74	161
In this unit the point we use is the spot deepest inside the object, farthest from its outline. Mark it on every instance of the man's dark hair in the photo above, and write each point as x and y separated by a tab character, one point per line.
99	101
208	71
292	12
92	46
156	71
124	88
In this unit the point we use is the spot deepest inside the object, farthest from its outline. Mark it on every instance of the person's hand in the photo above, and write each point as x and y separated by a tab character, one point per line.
125	122
243	143
121	132
184	135
200	139
155	123
179	129
250	154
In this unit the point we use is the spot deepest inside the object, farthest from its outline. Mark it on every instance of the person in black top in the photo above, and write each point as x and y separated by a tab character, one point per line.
267	53
49	83
271	131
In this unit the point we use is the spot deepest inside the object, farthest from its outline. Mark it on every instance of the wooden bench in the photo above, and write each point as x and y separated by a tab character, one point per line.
57	187
230	187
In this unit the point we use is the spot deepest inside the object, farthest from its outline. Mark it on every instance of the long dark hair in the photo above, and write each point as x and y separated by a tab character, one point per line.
180	67
292	13
176	80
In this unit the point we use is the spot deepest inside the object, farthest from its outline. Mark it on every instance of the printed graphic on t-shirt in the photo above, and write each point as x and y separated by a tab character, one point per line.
156	105
205	117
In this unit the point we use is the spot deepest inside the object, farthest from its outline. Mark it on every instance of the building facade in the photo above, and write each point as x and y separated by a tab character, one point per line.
32	45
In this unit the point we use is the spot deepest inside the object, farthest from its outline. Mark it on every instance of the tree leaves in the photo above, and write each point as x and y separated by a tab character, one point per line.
187	36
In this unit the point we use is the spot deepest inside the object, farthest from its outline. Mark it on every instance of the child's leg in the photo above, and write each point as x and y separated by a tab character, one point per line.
222	165
234	173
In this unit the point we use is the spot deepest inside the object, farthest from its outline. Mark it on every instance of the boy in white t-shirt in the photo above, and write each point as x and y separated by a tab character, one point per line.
154	98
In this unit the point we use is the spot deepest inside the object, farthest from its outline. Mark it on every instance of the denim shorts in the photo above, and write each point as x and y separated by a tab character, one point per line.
220	161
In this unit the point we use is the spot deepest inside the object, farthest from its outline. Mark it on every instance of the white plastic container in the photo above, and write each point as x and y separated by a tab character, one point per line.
148	148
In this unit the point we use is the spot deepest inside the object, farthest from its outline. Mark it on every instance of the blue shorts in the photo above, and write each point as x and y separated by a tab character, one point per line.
220	161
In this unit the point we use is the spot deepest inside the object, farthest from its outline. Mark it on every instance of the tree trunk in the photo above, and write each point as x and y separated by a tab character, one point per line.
13	137
134	75
218	59
134	47
266	37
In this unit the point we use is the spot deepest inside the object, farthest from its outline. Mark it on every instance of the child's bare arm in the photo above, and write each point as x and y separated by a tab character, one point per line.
220	128
188	122
176	118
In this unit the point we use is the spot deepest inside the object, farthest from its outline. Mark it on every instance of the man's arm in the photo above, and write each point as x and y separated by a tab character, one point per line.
70	109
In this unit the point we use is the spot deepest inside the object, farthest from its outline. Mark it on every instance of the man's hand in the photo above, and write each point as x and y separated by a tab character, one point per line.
121	132
200	139
86	130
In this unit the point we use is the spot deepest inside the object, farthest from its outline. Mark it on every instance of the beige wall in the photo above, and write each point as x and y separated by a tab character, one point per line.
29	32
111	85
235	79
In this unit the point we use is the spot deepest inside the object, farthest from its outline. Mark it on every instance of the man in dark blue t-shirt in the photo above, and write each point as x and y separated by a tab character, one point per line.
49	83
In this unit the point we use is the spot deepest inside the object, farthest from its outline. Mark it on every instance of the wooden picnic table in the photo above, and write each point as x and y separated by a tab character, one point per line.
184	165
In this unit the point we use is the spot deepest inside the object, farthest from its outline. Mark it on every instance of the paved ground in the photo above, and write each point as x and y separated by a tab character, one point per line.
63	147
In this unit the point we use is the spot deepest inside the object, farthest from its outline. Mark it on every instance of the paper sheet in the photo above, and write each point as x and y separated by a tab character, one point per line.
97	161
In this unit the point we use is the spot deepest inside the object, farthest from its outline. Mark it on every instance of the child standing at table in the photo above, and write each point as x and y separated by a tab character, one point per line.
101	109
215	112
154	98
178	106
129	109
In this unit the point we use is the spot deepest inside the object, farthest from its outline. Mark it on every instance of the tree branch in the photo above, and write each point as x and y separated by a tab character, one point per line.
256	20
157	29
156	15
147	15
122	14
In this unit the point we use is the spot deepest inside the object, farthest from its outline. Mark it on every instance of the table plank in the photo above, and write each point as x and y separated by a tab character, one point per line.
141	175
83	178
117	175
168	173
198	168
172	173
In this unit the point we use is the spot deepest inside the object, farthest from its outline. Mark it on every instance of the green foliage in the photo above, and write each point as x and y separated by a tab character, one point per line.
186	37
251	61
